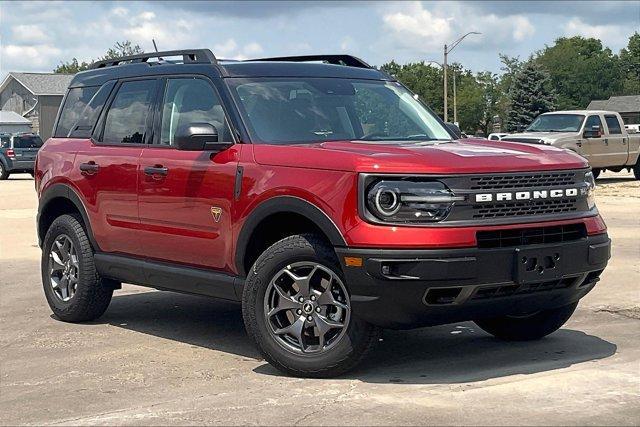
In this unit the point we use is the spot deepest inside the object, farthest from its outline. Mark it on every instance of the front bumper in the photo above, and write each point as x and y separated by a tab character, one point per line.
403	289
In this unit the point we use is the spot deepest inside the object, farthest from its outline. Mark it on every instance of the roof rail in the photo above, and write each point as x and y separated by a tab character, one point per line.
348	60
189	56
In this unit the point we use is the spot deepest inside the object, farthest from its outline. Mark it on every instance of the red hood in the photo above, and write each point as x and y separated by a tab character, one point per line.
465	156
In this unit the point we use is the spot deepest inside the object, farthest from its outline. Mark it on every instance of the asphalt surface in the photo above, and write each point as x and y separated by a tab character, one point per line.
164	358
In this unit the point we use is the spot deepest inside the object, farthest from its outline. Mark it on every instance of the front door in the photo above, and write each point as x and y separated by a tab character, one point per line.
185	197
594	148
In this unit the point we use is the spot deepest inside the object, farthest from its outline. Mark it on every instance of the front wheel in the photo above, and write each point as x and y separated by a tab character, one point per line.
596	173
72	286
527	328
297	309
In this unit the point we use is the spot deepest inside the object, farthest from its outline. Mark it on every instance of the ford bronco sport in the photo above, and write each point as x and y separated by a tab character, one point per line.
316	190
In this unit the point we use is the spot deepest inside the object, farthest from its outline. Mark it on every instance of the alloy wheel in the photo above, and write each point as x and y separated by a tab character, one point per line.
307	308
64	268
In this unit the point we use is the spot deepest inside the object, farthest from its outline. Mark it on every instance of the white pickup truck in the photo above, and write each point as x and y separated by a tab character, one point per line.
599	136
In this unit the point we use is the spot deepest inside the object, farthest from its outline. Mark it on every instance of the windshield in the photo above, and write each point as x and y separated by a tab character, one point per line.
557	123
298	110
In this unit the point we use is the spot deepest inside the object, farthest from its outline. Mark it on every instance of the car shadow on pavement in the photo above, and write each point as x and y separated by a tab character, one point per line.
449	354
615	180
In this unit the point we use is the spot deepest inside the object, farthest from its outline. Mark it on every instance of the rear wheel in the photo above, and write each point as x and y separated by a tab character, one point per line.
72	286
596	173
532	327
4	173
636	169
297	309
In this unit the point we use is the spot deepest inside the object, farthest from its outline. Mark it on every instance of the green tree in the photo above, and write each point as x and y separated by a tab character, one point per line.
118	50
581	70
630	65
531	94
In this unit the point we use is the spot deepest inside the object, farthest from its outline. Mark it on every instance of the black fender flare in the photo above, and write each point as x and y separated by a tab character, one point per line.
64	191
284	204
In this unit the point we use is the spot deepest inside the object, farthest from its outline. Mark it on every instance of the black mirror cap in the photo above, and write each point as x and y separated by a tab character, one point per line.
199	137
592	133
454	130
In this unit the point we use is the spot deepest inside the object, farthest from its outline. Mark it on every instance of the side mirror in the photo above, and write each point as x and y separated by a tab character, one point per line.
199	137
454	129
594	132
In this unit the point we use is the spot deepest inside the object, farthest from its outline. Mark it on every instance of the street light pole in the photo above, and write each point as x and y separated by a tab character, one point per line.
447	50
455	109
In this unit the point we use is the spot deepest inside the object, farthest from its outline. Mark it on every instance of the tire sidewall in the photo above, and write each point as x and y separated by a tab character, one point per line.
86	273
255	289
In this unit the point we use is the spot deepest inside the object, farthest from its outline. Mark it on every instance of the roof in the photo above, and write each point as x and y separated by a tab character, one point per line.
579	112
12	118
40	83
621	104
298	69
227	69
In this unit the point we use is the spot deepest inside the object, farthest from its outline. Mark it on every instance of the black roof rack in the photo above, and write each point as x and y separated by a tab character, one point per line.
348	60
189	56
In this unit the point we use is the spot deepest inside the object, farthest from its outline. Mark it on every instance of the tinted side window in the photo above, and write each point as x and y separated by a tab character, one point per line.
126	120
74	104
27	141
5	142
87	120
613	125
592	122
189	101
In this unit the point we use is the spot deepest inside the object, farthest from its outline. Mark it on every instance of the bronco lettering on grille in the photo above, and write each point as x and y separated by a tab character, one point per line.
526	195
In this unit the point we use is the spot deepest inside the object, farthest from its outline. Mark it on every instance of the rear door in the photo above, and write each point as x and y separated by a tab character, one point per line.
107	165
185	197
617	147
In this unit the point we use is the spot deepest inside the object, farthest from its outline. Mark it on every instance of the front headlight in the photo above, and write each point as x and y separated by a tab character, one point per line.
404	201
591	189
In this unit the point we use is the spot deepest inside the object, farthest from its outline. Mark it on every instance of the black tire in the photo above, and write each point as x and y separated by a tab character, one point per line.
358	339
596	173
636	170
4	173
32	173
534	327
92	294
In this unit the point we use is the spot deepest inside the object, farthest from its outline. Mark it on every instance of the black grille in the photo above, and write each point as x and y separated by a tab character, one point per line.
500	182
538	207
531	236
487	292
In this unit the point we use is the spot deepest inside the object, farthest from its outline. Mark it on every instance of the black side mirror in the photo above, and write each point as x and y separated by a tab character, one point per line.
199	137
454	129
594	132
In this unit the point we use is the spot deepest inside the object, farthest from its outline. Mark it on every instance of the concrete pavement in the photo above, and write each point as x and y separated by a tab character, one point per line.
164	358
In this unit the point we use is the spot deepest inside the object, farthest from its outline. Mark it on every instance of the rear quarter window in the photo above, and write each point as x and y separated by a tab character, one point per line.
30	141
613	124
81	109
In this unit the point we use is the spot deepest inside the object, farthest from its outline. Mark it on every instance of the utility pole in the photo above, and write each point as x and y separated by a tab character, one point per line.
447	50
455	108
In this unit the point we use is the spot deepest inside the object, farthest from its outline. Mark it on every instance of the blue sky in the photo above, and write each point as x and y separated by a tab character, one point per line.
37	36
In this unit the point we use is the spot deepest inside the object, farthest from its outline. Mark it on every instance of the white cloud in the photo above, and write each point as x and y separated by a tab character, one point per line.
229	49
27	33
609	34
425	30
36	56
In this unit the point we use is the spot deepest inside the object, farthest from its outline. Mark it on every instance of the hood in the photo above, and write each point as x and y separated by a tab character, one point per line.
463	156
542	135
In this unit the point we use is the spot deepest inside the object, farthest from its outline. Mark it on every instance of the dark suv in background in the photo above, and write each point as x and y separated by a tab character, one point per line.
18	153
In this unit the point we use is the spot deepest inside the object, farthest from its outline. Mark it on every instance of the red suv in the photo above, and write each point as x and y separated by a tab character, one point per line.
319	192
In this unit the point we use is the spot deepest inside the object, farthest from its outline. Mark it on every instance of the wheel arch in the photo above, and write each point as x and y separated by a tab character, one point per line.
300	216
60	199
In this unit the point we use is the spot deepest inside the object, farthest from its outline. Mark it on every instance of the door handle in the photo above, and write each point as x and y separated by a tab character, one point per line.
156	170
606	142
89	168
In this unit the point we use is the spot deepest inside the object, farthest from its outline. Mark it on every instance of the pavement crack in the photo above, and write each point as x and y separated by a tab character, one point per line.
628	312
